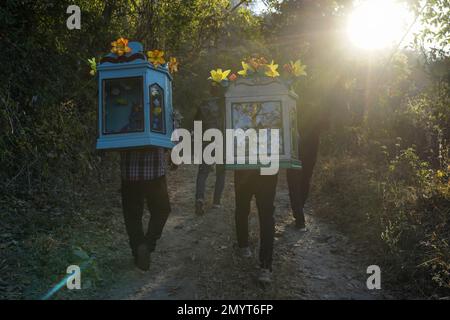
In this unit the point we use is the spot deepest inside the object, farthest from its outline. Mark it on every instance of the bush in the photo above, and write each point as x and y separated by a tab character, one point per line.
399	210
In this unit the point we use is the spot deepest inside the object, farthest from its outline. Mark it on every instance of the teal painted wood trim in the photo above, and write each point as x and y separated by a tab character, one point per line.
286	164
128	142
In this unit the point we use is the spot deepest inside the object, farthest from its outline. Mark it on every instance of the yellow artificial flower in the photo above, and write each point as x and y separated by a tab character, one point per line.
93	66
246	67
173	65
219	75
120	46
298	69
440	174
272	70
156	57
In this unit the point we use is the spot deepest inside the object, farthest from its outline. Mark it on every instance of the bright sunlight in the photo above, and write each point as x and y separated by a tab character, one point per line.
376	24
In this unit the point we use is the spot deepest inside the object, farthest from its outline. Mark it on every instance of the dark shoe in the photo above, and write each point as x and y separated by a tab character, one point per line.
216	206
199	209
245	252
265	276
143	258
300	225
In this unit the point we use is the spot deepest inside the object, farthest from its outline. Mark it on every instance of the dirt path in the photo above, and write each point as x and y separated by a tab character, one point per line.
195	259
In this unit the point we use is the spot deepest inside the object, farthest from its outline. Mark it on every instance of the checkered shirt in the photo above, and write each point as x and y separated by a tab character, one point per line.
143	165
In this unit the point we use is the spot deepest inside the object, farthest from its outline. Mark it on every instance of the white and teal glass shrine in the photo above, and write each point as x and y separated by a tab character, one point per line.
264	103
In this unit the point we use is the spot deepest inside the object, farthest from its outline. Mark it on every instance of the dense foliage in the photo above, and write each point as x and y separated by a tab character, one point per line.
384	173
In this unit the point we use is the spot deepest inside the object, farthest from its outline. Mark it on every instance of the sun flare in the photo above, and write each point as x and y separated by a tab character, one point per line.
376	24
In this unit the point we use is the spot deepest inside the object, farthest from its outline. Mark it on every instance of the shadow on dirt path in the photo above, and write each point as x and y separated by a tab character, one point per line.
195	258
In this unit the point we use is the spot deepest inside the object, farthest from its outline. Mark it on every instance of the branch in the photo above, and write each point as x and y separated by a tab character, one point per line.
238	5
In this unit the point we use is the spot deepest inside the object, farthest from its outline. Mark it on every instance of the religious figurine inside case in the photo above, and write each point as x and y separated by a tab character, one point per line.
135	100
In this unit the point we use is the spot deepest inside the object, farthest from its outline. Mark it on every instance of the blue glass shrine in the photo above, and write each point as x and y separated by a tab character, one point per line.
134	102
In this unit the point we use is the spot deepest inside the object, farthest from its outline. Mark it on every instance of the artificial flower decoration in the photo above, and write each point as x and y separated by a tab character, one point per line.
156	57
272	70
173	65
120	47
287	67
93	66
218	75
246	68
257	62
257	67
298	69
254	63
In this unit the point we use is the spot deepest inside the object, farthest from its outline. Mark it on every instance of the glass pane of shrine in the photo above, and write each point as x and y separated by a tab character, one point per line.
157	109
259	115
123	105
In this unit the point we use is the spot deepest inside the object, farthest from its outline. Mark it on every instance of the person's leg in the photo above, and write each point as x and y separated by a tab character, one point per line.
243	197
133	208
304	184
159	206
295	196
309	159
202	175
220	183
265	196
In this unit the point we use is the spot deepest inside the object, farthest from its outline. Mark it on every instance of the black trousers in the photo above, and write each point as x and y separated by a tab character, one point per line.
299	181
134	194
202	175
249	183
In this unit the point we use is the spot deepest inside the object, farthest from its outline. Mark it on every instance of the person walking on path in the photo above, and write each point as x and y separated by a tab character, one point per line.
144	181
